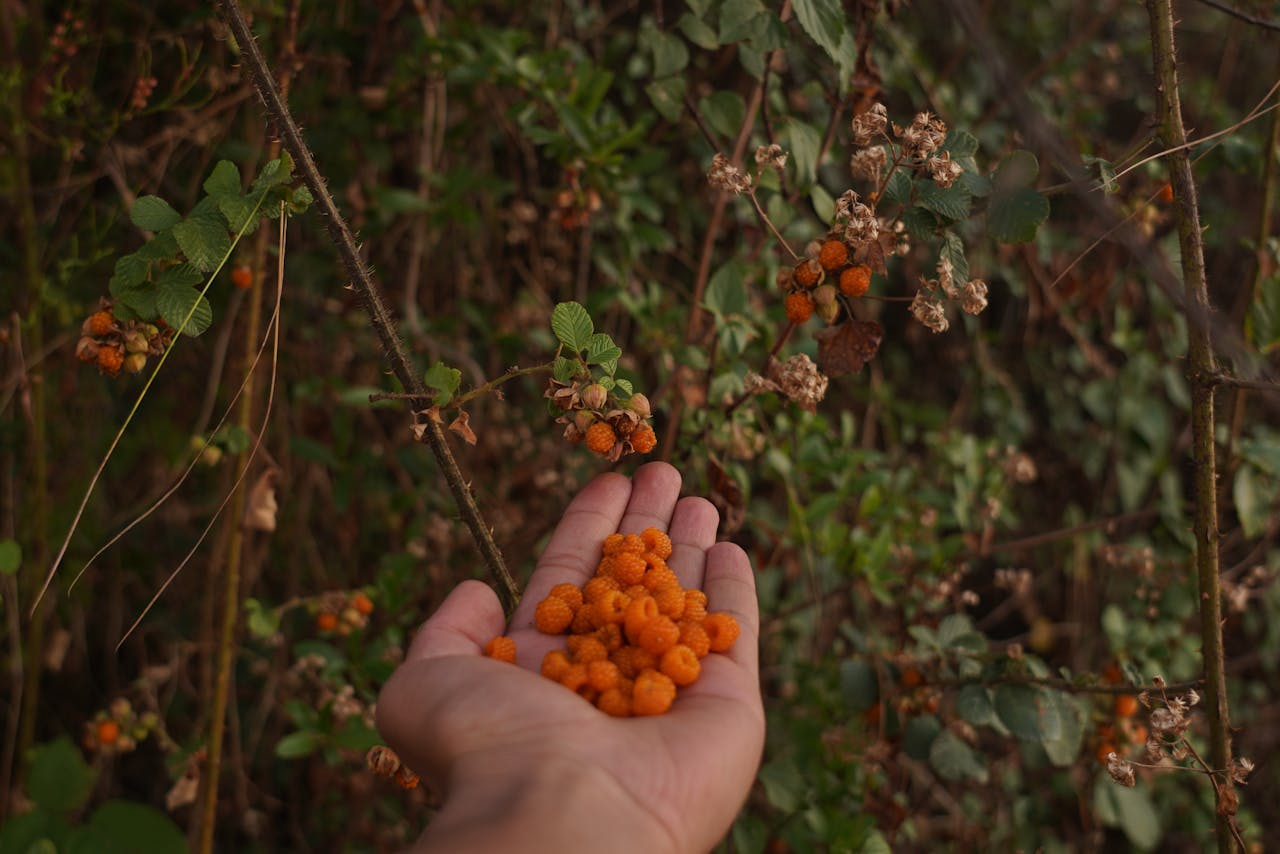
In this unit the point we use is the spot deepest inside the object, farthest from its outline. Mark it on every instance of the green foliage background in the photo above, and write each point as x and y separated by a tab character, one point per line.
499	158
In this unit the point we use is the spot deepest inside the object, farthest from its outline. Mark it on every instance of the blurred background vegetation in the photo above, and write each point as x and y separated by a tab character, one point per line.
978	523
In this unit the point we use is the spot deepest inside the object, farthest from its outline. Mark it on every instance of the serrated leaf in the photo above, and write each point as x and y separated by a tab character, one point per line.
952	203
783	783
898	190
955	760
919	223
1014	217
564	369
960	143
224	181
804	142
59	781
724	111
824	22
130	271
179	275
737	18
1030	713
299	744
240	211
1019	169
204	240
859	687
180	304
300	200
953	250
445	380
278	171
153	213
973	704
10	557
162	247
572	325
602	351
624	386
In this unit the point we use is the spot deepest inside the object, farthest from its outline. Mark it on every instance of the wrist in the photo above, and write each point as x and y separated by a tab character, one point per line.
543	804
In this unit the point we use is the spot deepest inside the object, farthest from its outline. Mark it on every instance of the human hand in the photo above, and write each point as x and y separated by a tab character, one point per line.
527	765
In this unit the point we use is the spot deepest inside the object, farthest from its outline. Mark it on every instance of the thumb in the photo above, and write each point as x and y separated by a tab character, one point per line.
465	621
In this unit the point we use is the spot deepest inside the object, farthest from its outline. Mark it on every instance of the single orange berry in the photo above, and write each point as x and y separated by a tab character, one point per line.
695	605
612	544
807	273
598	586
722	630
242	276
659	576
833	255
554	664
100	323
659	635
681	664
600	437
571	594
614	702
326	621
643	439
110	359
693	636
653	694
628	568
610	635
639	612
574	677
552	616
611	608
1166	193
670	600
911	677
855	281
633	544
586	649
603	674
1139	734
657	542
362	603
799	307
502	648
108	732
584	622
623	657
1126	706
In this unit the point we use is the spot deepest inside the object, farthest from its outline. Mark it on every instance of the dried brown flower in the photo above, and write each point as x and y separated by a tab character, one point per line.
723	175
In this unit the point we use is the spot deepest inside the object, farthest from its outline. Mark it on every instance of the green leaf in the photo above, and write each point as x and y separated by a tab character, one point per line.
696	31
179	275
445	380
724	112
1014	217
1130	809
670	56
34	832
737	18
262	622
240	212
726	292
824	21
564	369
953	203
1262	325
161	247
123	827
298	744
973	704
59	781
1030	713
955	760
602	351
1251	509
224	181
823	205
572	325
130	271
204	240
961	144
804	141
153	213
1106	173
1064	750
918	736
783	783
10	557
859	687
299	200
920	223
1019	169
667	96
898	190
180	304
276	172
953	250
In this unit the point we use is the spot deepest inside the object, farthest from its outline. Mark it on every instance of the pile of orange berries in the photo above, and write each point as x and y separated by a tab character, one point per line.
809	284
114	345
341	614
635	635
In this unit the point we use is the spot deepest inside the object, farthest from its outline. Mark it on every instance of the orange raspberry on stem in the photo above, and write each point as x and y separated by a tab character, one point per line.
600	437
643	439
807	273
242	276
100	323
833	255
110	359
722	630
799	307
1126	706
108	732
653	693
552	616
501	648
855	281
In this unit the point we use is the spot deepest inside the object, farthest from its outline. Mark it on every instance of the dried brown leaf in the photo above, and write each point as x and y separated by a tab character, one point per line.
462	426
845	348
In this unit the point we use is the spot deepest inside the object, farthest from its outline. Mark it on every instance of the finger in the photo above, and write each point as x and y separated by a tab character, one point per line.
730	586
692	532
654	490
465	621
574	550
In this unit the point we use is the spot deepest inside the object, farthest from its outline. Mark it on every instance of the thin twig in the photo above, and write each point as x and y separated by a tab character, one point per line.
370	297
1265	23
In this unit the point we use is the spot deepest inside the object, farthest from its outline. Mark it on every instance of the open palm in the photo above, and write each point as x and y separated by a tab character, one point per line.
468	723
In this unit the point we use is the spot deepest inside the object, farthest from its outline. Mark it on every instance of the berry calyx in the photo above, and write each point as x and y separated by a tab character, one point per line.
799	307
855	281
833	255
600	437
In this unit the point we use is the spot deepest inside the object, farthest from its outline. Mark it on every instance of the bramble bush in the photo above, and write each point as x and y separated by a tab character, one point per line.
901	289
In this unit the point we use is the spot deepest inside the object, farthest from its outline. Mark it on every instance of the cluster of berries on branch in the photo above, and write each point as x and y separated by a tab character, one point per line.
611	426
115	345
